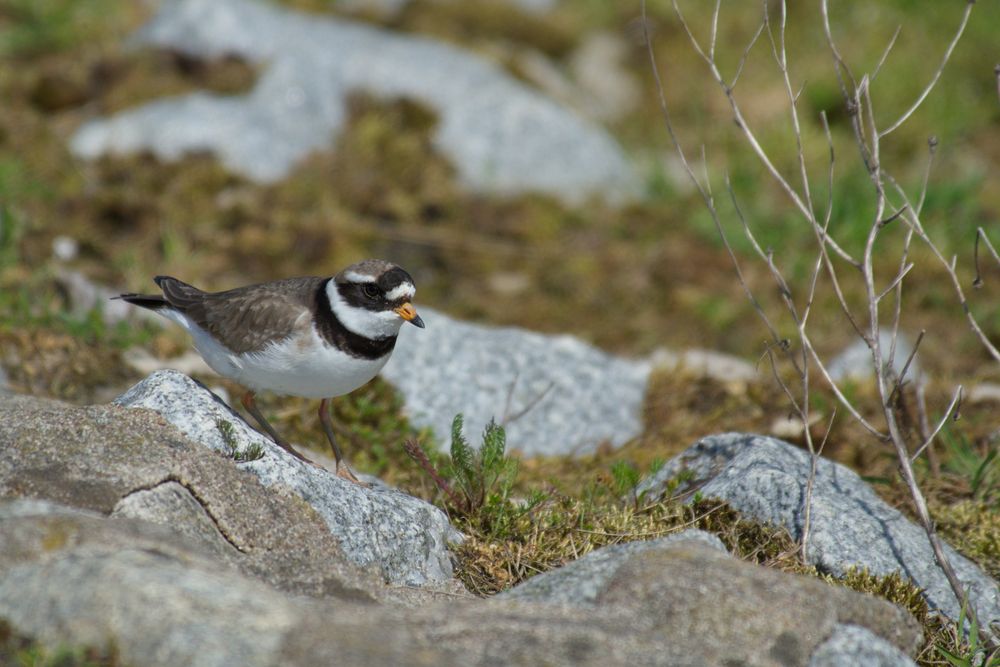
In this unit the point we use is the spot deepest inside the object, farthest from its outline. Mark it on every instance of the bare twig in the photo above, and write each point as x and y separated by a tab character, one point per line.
932	143
951	413
914	221
981	236
807	501
906	367
937	74
417	453
529	406
895	282
885	54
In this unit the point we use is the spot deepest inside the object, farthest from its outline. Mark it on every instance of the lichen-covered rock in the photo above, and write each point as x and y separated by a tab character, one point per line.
766	478
568	397
502	136
404	537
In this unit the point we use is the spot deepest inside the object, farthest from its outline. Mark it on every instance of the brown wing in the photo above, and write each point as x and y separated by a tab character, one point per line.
245	319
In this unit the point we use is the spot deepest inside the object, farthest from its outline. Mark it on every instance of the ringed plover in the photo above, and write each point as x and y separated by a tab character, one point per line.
311	337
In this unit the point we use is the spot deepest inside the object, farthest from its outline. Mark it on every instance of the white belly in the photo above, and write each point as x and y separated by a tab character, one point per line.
306	367
311	369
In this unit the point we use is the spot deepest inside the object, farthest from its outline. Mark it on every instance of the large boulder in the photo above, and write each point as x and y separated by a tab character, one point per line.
556	395
132	463
850	526
74	577
406	538
501	136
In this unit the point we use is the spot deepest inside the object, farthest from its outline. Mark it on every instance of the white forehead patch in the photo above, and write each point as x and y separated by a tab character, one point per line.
356	277
399	291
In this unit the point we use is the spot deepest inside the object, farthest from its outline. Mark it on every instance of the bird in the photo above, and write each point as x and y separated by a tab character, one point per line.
314	337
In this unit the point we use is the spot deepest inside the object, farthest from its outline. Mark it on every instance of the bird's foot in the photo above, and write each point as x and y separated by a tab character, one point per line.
345	473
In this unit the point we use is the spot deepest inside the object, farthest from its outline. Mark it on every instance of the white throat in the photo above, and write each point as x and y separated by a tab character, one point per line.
364	322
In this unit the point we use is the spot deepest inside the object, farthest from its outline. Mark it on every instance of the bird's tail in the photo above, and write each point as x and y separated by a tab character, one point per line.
150	301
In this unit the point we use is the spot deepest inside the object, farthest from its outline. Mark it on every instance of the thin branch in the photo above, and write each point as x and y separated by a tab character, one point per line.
529	406
821	367
736	264
885	54
715	29
781	56
914	221
937	74
906	367
807	501
951	413
895	282
932	143
417	453
981	235
746	54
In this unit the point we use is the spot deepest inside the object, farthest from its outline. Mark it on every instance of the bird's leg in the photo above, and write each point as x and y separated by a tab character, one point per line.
324	419
250	403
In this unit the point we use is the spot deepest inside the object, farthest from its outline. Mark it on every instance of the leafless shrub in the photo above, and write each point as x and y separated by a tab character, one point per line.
834	264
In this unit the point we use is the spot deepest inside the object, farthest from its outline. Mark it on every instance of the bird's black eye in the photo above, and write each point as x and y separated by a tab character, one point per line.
371	291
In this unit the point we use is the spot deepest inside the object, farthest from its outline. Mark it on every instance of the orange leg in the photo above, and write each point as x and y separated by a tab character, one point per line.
324	419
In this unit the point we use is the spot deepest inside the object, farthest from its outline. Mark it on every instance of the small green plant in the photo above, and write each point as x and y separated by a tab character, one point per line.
478	479
979	469
968	650
624	478
252	452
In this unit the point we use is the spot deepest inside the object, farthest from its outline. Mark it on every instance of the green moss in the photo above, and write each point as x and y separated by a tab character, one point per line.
972	527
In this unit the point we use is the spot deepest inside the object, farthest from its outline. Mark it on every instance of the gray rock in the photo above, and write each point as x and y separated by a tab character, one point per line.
170	504
568	396
689	589
70	577
855	361
688	604
852	645
405	537
752	615
582	581
765	478
108	459
502	137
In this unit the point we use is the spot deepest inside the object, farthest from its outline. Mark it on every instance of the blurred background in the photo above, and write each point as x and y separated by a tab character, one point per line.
630	263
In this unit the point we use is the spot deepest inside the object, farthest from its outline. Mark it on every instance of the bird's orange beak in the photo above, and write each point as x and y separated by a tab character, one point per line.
409	313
